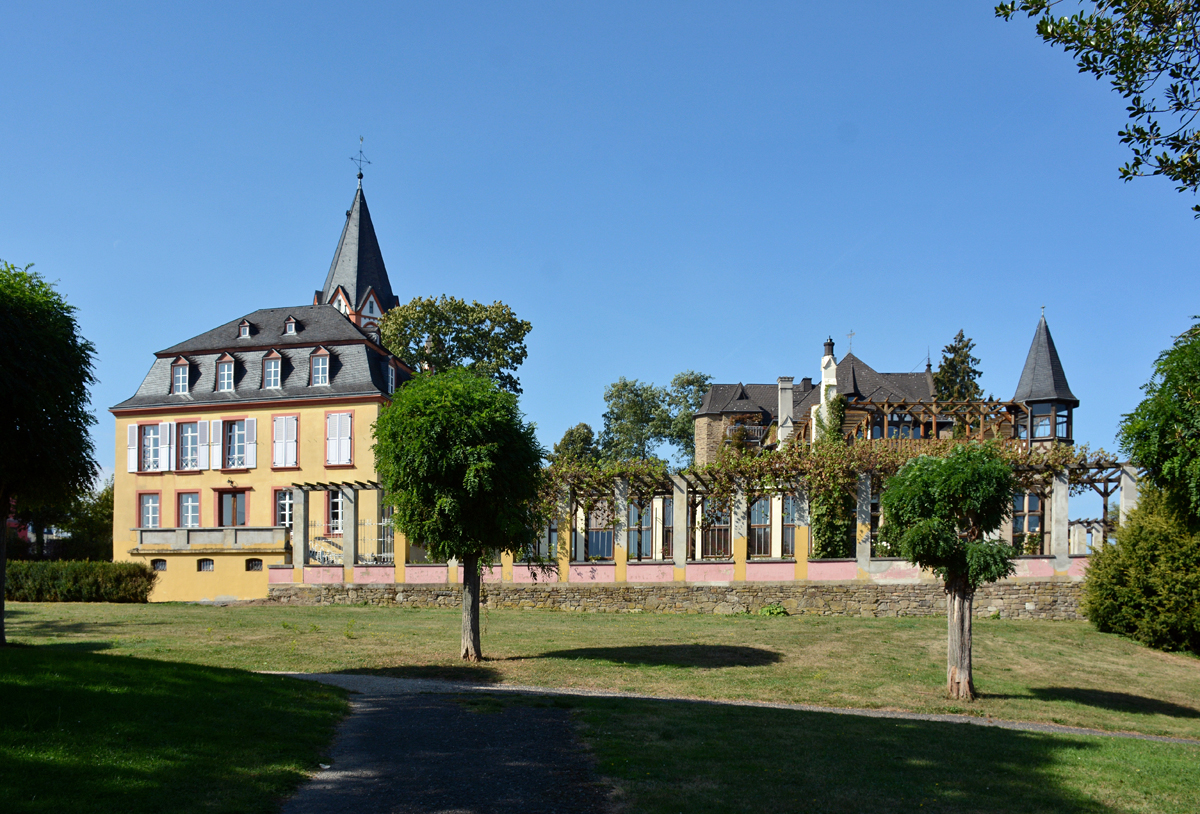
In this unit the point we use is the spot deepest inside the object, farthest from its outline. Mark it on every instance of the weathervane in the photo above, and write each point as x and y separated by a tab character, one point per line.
850	336
359	159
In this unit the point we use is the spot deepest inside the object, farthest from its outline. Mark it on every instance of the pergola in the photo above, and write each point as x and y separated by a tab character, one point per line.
349	491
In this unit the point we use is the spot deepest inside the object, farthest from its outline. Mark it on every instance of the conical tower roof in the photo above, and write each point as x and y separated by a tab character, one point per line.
358	264
1043	378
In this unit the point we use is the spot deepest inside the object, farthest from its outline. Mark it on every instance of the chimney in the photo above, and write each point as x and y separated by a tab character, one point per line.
806	384
785	407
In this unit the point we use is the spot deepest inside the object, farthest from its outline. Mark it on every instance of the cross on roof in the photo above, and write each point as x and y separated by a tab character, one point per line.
850	336
360	159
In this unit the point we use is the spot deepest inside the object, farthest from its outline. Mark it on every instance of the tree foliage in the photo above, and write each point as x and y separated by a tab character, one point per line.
640	416
440	333
1149	50
462	469
957	376
577	444
832	480
46	452
1145	583
1162	434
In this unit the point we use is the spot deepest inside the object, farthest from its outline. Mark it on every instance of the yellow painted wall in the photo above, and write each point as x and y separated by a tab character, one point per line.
185	584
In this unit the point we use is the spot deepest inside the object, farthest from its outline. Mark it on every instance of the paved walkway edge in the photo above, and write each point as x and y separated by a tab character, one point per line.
387	685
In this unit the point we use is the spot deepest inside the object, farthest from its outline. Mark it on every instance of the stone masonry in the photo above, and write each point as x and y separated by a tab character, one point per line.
1041	599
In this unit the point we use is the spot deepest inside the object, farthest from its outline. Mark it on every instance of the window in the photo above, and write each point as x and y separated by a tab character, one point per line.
149	511
641	533
791	517
243	331
179	378
598	542
189	445
189	510
149	446
253	564
158	565
235	445
335	513
1062	422
204	564
225	376
759	544
283	448
283	508
391	373
552	539
290	328
1027	522
233	509
668	524
320	370
271	368
337	439
714	542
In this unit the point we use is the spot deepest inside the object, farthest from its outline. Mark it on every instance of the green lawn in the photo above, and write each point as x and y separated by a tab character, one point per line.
1055	672
85	732
668	757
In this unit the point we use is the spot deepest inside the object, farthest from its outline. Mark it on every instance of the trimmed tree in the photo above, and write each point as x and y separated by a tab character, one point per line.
939	512
46	453
462	469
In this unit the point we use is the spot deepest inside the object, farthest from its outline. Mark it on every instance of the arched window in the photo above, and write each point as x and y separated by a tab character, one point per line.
254	564
204	564
158	565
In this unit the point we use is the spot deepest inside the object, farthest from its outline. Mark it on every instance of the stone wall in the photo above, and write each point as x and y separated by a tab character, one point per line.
709	435
1041	599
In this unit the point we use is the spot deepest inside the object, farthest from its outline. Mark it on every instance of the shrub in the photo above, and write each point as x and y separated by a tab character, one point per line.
774	609
1146	584
67	581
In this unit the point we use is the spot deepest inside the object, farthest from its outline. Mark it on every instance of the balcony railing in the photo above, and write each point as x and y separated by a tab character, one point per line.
749	433
227	536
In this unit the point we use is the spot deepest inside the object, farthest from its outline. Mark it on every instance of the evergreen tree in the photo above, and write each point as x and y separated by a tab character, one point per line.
578	445
957	377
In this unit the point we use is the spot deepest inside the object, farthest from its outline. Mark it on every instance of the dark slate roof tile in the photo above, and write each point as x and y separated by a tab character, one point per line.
1043	378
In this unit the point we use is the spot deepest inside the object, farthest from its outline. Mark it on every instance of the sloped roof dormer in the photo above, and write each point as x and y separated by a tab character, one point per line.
245	329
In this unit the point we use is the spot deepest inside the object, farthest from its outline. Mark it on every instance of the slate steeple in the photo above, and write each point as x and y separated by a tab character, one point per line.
1043	378
357	274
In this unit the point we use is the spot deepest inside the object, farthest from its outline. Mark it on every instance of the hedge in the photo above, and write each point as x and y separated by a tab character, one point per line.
1146	584
67	581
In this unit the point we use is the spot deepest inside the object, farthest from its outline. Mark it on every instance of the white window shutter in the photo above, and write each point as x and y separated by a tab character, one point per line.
202	445
278	441
251	443
331	443
289	452
214	441
132	448
166	461
344	439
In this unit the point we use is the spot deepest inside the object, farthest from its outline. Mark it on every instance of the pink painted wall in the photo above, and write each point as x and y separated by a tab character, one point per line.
426	574
770	571
593	572
527	574
1079	566
280	574
897	572
319	574
1034	567
370	574
709	572
492	574
649	572
824	570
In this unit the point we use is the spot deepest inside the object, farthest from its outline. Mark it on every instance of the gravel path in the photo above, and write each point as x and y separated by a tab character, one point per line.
380	686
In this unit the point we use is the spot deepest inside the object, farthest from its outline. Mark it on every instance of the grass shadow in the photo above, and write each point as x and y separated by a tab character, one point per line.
469	673
1112	701
673	655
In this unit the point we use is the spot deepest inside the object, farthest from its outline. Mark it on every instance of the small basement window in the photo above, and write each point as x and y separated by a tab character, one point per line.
253	564
204	564
158	565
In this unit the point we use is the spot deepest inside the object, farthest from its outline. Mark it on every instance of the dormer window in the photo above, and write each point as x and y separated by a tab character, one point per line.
244	329
225	374
272	366
179	377
289	327
320	368
391	374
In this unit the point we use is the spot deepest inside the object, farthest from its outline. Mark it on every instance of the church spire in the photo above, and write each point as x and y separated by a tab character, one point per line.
358	282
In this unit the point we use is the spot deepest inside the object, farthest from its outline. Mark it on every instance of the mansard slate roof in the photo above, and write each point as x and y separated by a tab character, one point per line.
314	324
357	367
1043	378
726	399
358	263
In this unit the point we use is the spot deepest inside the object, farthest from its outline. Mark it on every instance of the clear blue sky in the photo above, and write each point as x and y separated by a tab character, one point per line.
655	186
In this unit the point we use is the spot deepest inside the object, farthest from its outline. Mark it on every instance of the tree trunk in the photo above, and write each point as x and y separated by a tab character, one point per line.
959	600
6	506
471	650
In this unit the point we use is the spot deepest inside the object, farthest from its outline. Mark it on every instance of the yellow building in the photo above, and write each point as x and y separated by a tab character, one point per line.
226	424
